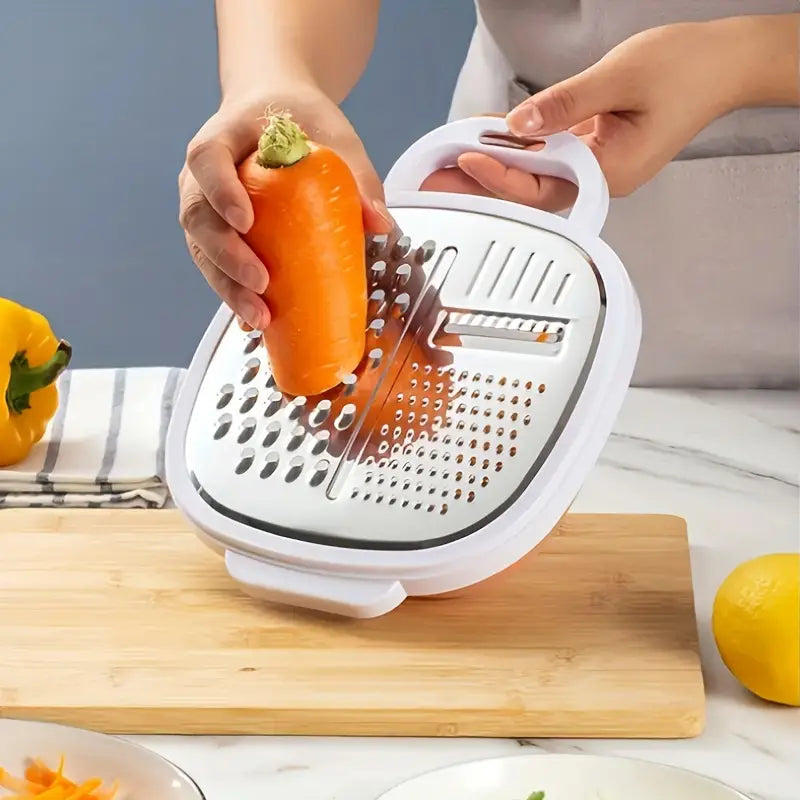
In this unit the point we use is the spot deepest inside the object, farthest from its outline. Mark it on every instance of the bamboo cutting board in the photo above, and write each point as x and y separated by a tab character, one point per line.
124	622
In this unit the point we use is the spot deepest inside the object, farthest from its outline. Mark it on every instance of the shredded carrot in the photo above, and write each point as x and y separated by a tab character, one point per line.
39	782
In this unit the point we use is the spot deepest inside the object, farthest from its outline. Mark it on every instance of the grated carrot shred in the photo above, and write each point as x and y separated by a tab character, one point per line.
39	782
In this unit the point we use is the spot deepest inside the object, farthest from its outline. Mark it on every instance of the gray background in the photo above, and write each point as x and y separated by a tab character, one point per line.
98	101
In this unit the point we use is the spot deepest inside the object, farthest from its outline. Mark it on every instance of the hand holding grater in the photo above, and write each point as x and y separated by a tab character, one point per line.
501	342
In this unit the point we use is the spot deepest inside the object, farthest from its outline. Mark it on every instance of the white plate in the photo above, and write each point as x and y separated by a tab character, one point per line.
561	777
142	774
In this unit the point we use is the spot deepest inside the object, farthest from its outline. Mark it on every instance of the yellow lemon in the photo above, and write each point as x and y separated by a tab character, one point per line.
756	624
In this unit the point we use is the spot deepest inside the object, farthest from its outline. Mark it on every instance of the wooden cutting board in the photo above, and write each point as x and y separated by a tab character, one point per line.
124	622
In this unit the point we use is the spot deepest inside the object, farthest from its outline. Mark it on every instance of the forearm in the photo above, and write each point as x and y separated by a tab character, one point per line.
279	42
765	56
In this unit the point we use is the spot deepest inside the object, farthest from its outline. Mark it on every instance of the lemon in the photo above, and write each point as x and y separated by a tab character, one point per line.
756	625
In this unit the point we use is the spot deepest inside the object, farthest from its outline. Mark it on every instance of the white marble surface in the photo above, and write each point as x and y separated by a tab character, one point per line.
728	463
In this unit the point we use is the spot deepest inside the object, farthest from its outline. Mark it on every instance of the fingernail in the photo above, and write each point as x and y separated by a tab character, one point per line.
383	212
251	314
238	219
525	119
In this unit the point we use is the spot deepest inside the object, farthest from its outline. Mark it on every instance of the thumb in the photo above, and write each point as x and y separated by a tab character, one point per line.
565	104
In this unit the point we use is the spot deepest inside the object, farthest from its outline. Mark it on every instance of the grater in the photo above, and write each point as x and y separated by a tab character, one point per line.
501	342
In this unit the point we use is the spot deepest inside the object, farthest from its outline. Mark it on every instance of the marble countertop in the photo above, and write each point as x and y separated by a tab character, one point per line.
728	463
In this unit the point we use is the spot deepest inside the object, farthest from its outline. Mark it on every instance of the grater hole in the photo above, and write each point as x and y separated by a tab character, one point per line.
485	481
253	341
501	414
512	434
225	395
246	460
346	417
401	303
270	384
402	275
541	388
375	356
223	426
376	327
485	463
248	429
515	383
321	440
297	407
528	402
272	434
401	247
249	400
499	449
298	434
295	469
526	420
250	370
514	400
498	466
490	379
473	461
529	385
354	494
377	271
425	251
270	465
502	381
457	494
443	509
273	404
349	384
514	417
321	413
377	243
470	497
512	451
320	471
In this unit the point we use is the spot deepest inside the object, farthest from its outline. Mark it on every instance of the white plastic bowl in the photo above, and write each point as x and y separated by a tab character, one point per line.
142	774
562	777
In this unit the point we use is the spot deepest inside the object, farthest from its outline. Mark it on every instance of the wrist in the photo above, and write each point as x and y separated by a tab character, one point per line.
759	56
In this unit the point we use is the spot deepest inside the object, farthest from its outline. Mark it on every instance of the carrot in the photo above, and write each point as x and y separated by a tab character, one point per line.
309	232
42	783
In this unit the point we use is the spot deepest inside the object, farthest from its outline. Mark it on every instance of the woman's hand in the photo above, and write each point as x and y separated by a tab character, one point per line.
642	103
215	208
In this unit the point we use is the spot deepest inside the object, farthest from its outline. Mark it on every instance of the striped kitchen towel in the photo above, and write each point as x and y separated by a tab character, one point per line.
105	445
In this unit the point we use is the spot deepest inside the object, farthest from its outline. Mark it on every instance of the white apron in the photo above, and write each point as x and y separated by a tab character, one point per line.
712	242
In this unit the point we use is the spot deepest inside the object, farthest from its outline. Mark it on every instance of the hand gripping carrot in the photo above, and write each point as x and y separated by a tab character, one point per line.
309	232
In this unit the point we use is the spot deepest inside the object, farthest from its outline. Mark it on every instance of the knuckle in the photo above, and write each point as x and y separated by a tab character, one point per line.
193	211
197	149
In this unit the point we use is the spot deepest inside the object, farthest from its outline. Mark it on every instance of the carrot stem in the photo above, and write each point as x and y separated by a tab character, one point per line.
282	143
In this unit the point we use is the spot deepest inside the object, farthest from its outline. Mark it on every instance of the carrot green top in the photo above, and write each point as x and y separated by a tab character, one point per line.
282	143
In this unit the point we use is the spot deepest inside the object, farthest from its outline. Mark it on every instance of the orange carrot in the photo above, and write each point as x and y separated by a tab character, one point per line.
42	783
309	233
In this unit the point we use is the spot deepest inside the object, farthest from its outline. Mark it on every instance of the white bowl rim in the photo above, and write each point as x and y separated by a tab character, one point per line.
145	751
643	762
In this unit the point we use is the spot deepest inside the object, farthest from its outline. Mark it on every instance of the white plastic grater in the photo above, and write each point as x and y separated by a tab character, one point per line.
502	342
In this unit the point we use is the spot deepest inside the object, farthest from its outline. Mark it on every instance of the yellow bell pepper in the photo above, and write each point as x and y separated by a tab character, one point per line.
31	358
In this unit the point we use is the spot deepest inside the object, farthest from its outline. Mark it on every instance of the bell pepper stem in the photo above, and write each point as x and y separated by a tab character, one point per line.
25	379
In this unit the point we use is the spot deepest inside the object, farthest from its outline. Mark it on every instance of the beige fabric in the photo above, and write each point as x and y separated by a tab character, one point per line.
712	242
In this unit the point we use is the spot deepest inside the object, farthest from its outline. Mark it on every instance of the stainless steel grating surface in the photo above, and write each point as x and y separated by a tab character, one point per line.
478	341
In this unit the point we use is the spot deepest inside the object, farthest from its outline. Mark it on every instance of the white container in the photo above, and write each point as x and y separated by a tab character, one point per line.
502	342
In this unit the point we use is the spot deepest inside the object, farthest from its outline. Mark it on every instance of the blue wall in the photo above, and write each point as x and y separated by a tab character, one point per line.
98	101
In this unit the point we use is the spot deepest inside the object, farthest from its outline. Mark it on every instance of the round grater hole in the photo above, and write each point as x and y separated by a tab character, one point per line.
248	429
378	498
487	412
401	247
298	435
501	414
445	476
397	432
321	413
437	405
392	483
349	384
501	398
251	369
272	434
376	327
402	274
413	383
439	387
225	395
471	479
414	366
425	251
366	496
420	469
515	383
245	461
412	400
463	376
459	476
425	402
512	452
473	461
398	415
383	447
542	388
514	417
443	510
223	426
487	429
406	485
529	385
526	420
514	400
253	341
419	487
490	379
368	478
392	499
470	497
407	466
375	356
512	434
404	504
503	381
426	385
486	446
431	508
273	404
488	397
499	449
457	494
445	456
476	377
498	466
297	407
401	303
377	271
485	463
295	469
528	402
270	383
320	471
346	417
417	506
427	369
459	457
354	494
270	465
423	419
476	394
485	481
321	440
249	400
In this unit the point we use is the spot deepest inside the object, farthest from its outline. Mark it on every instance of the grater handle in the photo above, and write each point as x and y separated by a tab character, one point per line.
564	155
347	597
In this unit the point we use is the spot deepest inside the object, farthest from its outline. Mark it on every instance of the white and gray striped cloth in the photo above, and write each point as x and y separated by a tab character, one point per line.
105	445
